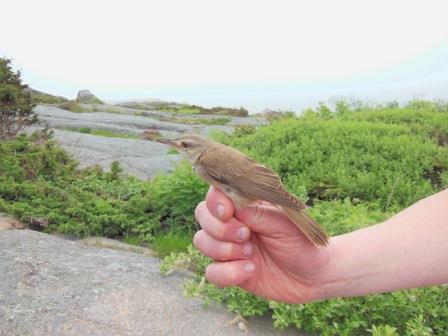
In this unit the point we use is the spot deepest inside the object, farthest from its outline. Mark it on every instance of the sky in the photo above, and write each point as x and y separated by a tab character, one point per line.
257	54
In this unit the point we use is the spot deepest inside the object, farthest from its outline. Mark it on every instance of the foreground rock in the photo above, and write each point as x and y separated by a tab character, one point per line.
52	286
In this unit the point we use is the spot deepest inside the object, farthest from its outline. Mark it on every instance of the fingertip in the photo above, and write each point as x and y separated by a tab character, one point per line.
219	204
231	273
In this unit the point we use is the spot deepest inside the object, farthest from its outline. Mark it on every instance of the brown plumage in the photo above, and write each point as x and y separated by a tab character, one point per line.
245	181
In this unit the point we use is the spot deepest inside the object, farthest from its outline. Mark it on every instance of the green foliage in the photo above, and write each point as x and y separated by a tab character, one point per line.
202	121
355	164
242	130
189	260
195	109
45	98
275	114
383	330
171	242
40	185
190	121
186	109
72	106
175	196
16	104
101	132
172	151
343	216
423	118
335	159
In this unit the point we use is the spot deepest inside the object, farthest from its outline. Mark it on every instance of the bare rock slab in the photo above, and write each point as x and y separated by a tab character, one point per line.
53	286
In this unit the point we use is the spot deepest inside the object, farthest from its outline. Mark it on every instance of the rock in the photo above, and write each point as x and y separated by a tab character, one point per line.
85	96
141	158
52	286
9	223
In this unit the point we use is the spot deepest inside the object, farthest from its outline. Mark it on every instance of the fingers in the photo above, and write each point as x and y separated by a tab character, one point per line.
219	250
232	230
219	204
231	273
266	219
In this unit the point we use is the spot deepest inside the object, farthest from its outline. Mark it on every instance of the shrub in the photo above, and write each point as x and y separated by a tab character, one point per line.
72	106
357	167
335	159
16	104
151	135
430	122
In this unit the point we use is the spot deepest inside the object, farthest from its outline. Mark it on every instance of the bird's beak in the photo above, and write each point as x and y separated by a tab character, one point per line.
166	142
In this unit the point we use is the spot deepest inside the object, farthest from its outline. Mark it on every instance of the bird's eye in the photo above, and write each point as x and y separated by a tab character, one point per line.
184	144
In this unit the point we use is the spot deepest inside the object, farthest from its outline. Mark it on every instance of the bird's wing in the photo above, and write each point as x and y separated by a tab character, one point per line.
255	181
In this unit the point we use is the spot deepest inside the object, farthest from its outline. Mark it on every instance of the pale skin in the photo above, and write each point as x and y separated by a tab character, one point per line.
260	250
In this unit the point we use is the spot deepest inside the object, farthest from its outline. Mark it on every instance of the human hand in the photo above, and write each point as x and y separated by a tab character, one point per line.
260	250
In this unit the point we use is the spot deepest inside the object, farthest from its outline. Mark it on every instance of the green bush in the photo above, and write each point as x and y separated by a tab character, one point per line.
335	159
40	185
16	103
355	165
422	118
72	106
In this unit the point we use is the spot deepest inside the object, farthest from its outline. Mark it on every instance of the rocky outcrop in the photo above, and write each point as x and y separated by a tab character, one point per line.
141	158
85	96
52	286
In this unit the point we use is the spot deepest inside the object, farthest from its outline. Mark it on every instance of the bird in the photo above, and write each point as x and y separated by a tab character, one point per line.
245	181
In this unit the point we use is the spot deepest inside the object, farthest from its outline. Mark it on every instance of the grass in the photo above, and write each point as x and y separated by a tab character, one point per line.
45	98
192	121
169	243
133	240
172	151
101	132
187	109
203	121
72	106
75	107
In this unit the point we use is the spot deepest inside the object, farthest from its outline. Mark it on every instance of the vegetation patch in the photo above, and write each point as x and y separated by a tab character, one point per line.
73	106
101	132
355	165
186	109
45	98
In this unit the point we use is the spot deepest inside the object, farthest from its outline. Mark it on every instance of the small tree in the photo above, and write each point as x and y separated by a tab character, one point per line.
16	104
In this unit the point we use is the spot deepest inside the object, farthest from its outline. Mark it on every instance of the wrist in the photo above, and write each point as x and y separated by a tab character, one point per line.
347	272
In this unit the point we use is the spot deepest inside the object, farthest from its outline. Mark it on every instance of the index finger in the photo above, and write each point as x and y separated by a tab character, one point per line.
219	204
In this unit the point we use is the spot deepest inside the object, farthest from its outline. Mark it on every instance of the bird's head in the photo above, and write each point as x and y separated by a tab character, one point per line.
190	146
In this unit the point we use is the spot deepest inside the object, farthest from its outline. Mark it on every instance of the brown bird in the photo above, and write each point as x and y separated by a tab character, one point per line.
245	180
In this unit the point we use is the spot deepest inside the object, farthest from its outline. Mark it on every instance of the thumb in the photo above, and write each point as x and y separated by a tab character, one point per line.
266	219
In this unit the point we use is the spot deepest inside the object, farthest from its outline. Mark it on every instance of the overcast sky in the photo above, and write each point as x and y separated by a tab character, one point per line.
258	54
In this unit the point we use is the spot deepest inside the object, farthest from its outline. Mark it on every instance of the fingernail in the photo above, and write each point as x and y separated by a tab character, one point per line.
220	210
247	249
249	267
243	233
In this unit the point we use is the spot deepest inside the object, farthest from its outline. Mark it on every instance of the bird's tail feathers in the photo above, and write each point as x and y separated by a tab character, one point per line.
310	228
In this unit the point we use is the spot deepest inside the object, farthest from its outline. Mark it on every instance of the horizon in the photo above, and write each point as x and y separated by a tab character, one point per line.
259	55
